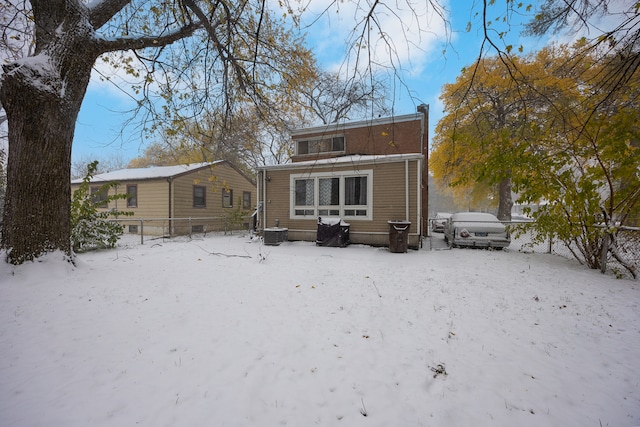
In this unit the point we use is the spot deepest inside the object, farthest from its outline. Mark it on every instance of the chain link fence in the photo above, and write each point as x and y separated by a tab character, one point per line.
154	228
625	248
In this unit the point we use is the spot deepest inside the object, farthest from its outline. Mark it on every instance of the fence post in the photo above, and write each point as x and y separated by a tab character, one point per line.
605	251
142	232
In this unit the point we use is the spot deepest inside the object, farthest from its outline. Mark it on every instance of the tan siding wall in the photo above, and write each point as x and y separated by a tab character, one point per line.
388	203
153	199
220	177
153	202
277	199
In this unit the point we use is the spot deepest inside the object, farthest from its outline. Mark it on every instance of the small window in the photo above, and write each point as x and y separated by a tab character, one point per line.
227	198
133	229
324	145
329	191
355	190
328	212
305	197
338	143
132	196
246	200
197	228
304	192
199	199
355	212
320	145
99	197
303	147
313	147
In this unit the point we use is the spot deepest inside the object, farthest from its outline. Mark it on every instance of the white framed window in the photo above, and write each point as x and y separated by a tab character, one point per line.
132	196
227	198
328	144
99	196
199	196
329	196
345	194
304	197
246	200
355	196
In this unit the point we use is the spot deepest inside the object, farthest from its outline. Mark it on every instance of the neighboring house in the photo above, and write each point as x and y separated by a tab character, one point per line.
181	199
366	173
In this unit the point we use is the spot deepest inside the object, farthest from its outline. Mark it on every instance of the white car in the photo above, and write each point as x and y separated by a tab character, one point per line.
438	223
476	230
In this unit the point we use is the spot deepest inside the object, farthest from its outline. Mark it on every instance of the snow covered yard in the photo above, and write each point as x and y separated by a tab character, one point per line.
223	331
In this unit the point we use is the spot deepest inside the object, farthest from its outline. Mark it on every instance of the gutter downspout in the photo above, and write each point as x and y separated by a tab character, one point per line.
264	198
170	181
419	204
424	149
406	190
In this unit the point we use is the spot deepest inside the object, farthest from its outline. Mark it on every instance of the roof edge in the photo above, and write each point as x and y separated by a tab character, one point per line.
346	160
99	178
336	127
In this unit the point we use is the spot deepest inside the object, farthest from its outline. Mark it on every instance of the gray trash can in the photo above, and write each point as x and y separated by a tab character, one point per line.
399	236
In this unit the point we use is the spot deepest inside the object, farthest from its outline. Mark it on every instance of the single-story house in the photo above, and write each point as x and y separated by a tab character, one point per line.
366	173
178	199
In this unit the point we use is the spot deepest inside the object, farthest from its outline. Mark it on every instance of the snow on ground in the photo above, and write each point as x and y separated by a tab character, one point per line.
223	331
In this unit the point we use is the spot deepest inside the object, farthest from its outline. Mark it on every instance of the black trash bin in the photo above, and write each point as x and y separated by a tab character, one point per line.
399	236
332	232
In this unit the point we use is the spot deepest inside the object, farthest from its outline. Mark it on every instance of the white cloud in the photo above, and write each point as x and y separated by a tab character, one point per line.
617	12
401	34
113	81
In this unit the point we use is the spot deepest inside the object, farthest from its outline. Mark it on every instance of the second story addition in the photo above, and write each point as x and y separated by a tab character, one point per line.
381	136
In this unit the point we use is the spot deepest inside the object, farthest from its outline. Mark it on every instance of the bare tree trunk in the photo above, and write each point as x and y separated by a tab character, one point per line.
42	97
37	204
505	202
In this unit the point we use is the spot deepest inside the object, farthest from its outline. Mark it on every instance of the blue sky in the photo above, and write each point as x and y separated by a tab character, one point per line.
428	59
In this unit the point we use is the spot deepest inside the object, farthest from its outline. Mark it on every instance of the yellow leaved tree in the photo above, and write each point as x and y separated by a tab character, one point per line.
553	128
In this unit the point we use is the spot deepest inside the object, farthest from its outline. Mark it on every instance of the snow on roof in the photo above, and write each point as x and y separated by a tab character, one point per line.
353	159
147	173
338	127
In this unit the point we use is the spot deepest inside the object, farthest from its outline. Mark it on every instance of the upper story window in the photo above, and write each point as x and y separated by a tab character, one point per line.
320	145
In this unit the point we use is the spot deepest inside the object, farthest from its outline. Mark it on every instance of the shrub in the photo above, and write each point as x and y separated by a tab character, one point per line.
90	228
235	218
